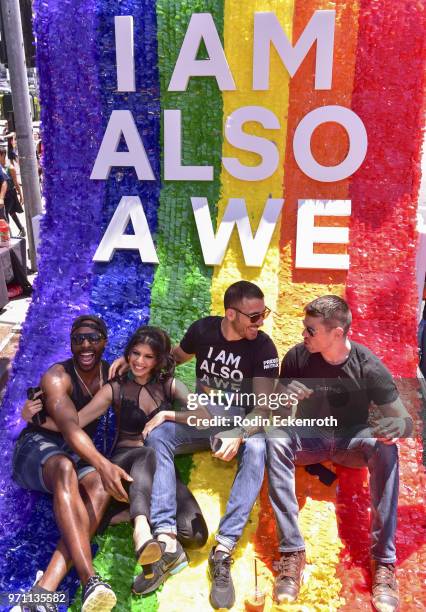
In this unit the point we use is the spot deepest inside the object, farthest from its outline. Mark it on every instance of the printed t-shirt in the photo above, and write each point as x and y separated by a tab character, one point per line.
229	365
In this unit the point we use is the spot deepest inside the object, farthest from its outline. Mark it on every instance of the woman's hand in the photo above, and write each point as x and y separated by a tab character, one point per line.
30	408
118	366
158	419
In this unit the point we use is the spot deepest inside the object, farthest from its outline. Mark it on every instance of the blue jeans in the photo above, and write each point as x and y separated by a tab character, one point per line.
290	448
170	439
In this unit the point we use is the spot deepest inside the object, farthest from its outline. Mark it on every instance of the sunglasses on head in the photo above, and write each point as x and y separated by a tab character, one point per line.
92	338
256	316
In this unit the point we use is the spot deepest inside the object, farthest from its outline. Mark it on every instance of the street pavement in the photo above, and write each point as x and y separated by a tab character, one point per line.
11	318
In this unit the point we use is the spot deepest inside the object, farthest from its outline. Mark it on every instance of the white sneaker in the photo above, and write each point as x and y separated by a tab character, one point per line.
98	596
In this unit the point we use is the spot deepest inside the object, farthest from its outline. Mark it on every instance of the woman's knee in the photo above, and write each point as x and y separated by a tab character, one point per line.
146	461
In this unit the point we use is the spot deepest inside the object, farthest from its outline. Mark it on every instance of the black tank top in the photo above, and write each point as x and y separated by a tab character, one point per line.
136	404
79	396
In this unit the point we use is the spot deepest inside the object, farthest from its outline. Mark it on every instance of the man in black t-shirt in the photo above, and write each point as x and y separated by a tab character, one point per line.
339	384
235	362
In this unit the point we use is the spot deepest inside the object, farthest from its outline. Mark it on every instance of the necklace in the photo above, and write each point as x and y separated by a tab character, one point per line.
101	382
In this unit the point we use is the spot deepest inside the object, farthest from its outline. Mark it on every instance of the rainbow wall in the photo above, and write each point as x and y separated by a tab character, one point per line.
378	60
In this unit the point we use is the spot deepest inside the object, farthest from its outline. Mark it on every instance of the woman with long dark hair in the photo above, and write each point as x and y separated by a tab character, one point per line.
144	393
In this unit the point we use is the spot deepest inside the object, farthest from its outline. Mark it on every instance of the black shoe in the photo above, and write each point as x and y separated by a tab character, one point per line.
156	573
22	233
222	593
290	571
98	596
36	607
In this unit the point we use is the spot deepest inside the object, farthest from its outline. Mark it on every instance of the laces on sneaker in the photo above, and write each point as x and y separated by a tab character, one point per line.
384	578
385	575
93	582
222	570
288	566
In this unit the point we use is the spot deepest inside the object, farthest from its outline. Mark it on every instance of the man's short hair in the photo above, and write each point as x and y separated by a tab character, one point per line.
240	290
92	321
333	310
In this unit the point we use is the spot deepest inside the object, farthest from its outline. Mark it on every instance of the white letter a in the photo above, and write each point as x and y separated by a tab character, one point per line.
129	209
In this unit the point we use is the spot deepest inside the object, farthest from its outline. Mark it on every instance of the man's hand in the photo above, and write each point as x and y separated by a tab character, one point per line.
389	429
111	476
30	408
118	366
299	390
229	447
156	421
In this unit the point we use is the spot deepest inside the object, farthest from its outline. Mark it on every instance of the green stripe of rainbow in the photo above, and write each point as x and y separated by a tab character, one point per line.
181	289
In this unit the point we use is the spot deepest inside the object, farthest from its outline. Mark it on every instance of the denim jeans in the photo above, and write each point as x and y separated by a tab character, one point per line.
170	439
289	448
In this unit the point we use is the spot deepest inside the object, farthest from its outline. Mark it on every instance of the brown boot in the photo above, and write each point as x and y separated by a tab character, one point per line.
385	596
290	569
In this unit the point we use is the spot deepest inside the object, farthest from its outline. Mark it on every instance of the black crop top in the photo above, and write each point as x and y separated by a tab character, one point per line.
136	404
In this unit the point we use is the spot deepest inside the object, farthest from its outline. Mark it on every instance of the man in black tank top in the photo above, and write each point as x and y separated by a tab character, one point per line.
80	479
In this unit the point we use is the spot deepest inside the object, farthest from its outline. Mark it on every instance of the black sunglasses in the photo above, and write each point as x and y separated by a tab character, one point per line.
256	315
92	338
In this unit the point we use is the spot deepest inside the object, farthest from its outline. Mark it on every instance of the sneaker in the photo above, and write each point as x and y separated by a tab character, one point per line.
156	573
36	607
385	596
222	594
290	571
98	596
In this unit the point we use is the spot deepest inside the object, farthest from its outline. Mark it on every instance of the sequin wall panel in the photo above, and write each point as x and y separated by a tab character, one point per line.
377	62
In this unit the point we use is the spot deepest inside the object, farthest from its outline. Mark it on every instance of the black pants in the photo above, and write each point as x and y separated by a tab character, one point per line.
139	463
10	211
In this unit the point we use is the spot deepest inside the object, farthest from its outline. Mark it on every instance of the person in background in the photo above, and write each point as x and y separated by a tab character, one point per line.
12	150
3	184
13	198
422	343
